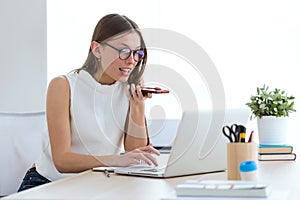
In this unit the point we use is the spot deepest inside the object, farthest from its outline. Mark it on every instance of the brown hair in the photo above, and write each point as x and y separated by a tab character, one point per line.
109	26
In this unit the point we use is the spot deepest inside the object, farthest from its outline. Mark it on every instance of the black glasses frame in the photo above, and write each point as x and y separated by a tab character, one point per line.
134	52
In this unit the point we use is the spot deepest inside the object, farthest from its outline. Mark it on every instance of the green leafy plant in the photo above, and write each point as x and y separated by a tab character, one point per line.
271	103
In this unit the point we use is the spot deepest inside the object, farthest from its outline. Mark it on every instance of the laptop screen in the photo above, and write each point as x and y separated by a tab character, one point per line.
162	132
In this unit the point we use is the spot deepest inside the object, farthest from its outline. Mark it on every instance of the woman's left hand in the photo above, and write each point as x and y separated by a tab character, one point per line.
149	149
147	152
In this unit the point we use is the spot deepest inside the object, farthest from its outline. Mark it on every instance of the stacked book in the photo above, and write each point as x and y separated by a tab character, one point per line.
276	152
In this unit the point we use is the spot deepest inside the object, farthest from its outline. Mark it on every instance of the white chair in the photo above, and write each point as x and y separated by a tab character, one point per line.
20	145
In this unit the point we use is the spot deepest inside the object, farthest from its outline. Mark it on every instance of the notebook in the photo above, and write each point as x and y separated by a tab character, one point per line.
199	146
221	188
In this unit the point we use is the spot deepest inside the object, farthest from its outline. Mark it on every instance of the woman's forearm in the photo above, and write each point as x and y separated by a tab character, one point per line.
69	162
136	133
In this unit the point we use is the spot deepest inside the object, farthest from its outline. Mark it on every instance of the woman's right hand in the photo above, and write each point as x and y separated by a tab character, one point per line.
142	154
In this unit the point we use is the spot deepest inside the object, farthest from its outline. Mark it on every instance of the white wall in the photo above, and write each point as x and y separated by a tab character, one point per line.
23	55
250	42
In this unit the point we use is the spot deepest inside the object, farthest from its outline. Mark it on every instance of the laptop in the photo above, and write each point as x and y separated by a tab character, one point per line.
162	133
199	146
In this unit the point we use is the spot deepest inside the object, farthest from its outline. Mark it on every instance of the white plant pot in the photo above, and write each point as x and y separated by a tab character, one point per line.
272	130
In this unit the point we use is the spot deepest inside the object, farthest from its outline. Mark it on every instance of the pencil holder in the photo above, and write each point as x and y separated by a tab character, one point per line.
237	153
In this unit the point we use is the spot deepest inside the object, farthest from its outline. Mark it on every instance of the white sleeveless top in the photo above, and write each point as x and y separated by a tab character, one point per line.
98	114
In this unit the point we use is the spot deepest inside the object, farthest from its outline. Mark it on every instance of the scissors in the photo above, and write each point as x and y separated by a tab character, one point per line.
232	132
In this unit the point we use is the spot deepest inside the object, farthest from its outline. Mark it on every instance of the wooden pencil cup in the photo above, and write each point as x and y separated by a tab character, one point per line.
237	153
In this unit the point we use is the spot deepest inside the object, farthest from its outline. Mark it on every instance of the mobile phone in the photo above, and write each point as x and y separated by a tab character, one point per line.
153	90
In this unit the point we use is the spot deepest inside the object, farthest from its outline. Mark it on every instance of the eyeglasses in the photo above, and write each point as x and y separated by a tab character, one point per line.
138	54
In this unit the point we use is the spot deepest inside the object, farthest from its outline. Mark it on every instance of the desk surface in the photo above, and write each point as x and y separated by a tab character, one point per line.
283	176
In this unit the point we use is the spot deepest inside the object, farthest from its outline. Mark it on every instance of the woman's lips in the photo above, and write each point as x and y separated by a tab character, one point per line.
125	71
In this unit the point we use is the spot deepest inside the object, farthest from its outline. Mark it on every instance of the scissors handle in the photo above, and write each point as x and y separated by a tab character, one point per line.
227	132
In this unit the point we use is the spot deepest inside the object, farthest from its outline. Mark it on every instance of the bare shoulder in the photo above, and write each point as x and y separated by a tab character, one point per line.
59	81
59	86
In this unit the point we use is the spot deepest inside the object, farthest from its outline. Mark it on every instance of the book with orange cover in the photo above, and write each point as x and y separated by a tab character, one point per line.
276	149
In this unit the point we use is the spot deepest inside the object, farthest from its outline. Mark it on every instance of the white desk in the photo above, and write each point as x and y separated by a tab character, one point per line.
283	176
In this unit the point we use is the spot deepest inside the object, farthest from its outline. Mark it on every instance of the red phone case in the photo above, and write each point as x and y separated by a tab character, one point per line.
153	90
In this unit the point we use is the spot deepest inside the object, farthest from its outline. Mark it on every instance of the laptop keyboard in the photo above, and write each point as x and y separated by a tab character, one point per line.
146	168
151	170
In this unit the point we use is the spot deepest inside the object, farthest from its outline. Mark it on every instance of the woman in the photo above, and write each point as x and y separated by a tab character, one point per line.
95	109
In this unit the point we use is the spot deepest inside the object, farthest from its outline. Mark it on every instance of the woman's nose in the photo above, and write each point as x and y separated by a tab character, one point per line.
130	59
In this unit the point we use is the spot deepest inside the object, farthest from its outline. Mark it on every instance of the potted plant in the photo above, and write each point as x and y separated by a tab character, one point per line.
272	109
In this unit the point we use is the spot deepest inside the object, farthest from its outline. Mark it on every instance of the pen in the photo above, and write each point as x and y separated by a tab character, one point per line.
106	172
242	134
251	136
243	137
